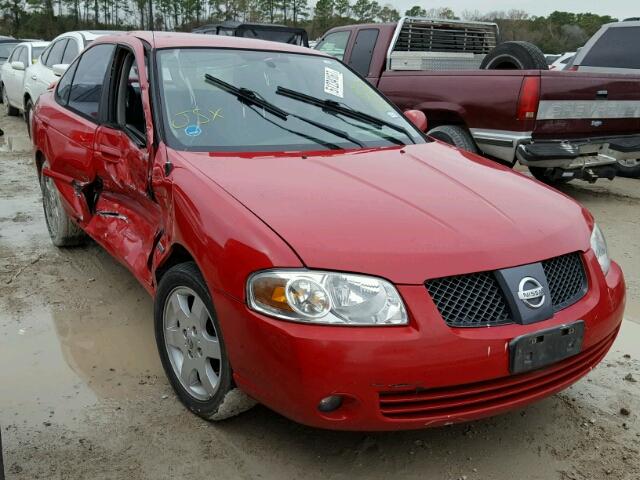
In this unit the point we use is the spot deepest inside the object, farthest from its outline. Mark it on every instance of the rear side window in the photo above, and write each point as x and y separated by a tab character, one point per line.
363	50
334	44
55	54
616	48
86	88
70	52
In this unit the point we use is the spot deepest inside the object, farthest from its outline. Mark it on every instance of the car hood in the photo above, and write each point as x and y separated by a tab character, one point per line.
424	211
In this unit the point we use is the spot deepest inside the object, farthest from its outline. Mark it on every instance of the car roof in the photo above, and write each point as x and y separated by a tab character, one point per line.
181	40
35	43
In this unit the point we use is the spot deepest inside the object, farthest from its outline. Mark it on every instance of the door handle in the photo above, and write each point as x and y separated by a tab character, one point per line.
34	77
110	154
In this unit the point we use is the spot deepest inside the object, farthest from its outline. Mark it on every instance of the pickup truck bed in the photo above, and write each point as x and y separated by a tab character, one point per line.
562	124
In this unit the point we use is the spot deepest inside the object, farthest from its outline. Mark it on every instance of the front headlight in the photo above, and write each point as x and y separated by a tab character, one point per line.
326	297
599	247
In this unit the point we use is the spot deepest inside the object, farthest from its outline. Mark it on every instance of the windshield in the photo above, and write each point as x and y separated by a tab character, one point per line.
232	100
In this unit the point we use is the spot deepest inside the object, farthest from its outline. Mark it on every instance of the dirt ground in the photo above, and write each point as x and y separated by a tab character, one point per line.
83	395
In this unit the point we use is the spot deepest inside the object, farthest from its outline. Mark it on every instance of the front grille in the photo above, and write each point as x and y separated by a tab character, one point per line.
444	404
566	279
470	300
477	300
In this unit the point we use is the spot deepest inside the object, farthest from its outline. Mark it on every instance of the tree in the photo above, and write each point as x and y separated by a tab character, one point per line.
365	10
389	14
416	11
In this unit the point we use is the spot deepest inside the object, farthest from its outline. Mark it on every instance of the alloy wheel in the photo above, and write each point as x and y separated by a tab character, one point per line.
191	342
52	206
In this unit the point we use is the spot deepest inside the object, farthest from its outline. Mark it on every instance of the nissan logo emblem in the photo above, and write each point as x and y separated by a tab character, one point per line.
530	291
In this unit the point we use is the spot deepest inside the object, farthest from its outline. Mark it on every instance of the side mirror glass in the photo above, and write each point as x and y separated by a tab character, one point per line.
418	118
17	65
59	69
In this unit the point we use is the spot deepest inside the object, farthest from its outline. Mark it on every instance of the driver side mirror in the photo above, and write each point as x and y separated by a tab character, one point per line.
418	118
59	69
17	65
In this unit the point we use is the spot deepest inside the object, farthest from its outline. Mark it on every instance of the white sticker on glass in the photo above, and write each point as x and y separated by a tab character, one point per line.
333	82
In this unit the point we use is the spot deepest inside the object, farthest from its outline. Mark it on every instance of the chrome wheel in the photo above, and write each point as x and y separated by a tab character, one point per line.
191	342
52	206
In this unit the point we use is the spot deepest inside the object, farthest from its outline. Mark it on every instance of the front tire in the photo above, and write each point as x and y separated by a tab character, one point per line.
9	110
192	348
62	230
629	168
454	135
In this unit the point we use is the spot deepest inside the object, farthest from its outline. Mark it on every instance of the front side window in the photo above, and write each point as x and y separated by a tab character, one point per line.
129	110
56	52
24	57
239	100
86	89
334	44
616	48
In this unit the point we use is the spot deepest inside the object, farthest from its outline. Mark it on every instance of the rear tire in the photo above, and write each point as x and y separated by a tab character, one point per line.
515	56
629	168
454	135
28	108
192	348
548	176
62	230
9	110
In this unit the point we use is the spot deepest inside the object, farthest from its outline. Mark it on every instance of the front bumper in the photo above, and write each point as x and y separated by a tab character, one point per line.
414	376
580	153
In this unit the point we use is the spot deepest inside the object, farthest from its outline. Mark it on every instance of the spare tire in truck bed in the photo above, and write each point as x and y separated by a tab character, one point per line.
515	56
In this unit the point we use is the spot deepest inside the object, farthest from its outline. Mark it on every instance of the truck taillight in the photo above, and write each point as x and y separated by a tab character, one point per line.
528	99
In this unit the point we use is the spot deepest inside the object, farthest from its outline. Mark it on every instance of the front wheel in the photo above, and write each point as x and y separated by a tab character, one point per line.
629	168
192	348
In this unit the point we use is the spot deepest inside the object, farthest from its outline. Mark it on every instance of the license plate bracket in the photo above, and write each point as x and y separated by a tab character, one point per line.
544	347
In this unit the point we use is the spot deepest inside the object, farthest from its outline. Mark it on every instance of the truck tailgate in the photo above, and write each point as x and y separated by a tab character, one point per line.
579	104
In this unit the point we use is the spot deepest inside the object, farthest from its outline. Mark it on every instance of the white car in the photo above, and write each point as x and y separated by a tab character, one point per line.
60	53
13	71
561	62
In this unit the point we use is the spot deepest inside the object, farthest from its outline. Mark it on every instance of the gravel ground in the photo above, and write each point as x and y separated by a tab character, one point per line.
83	395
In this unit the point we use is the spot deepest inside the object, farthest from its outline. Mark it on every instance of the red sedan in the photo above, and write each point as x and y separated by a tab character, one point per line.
308	247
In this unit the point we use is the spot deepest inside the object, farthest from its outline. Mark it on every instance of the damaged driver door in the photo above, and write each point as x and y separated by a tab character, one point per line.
126	220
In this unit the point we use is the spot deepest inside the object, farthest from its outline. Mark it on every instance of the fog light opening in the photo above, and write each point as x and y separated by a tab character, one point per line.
330	403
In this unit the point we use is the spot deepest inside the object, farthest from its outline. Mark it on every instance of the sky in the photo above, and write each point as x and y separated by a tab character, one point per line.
616	8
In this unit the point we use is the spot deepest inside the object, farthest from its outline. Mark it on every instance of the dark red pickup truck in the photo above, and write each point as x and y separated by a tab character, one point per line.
562	125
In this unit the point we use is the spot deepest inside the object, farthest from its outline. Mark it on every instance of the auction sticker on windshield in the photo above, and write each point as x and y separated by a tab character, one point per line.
333	82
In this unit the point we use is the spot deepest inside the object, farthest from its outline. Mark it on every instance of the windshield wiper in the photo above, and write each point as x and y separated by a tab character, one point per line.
250	97
335	107
246	96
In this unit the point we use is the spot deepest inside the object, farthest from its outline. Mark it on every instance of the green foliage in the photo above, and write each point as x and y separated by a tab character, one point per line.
558	32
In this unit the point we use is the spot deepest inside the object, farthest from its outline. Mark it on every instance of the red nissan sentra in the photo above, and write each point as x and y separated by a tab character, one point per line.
308	248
